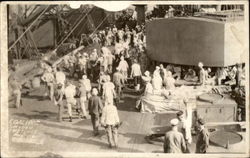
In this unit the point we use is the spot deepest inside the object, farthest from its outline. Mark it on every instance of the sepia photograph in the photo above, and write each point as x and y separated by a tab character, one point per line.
124	79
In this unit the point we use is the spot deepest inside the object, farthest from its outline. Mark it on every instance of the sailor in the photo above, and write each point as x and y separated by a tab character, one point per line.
86	82
108	91
70	92
128	36
125	46
16	89
238	75
177	72
209	80
166	14
148	88
123	66
111	122
185	128
118	47
221	75
110	59
162	71
146	77
202	142
120	34
102	64
144	60
92	63
119	82
190	75
96	40
58	99
109	37
83	64
174	141
72	64
169	81
105	53
60	76
95	110
171	12
101	81
114	29
157	80
136	74
66	62
83	98
202	74
157	70
49	78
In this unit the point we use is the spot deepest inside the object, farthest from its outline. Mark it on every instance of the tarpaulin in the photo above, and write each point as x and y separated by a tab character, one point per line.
162	103
158	104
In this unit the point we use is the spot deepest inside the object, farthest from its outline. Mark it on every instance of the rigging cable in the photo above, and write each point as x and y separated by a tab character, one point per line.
74	23
99	24
28	28
75	27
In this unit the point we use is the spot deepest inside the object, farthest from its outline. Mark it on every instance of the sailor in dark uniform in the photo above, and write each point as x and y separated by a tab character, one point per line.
203	137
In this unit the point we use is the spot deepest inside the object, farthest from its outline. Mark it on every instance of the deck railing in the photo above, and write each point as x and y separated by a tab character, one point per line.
227	15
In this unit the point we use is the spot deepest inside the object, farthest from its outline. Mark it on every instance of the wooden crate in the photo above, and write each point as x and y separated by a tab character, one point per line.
223	111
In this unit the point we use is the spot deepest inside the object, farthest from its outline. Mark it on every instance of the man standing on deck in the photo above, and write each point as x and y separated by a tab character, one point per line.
16	89
60	76
105	54
70	92
83	64
83	98
95	110
238	75
108	91
136	74
101	81
92	61
72	64
123	66
202	142
86	82
110	120
110	59
201	73
48	78
174	141
118	81
169	81
185	129
58	99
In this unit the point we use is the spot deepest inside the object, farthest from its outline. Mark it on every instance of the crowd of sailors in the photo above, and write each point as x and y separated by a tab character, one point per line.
92	83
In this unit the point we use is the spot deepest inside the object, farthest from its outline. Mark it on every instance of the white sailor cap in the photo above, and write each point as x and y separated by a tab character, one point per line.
94	91
200	64
84	77
174	122
147	73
